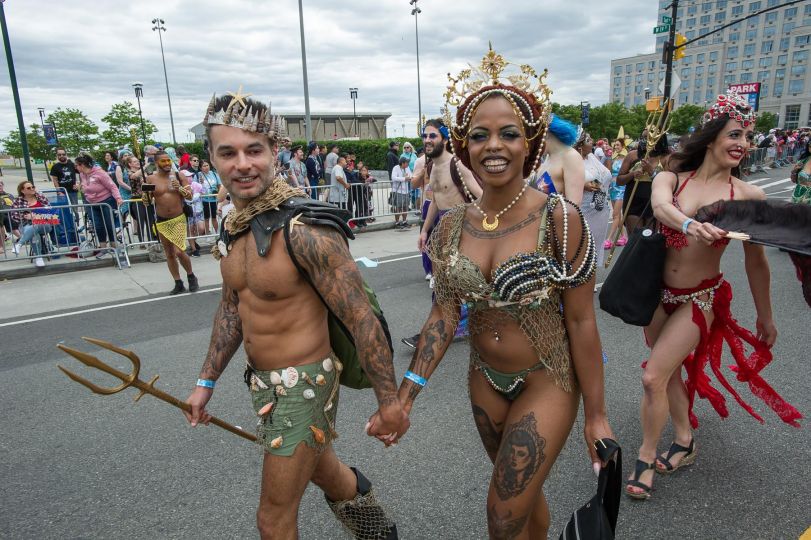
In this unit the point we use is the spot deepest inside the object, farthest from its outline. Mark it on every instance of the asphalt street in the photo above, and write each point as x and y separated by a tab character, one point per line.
79	465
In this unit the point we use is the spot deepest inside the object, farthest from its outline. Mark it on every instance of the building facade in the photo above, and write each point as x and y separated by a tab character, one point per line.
771	48
327	126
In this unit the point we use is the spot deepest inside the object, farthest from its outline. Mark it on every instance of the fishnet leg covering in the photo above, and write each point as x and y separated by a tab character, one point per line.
363	517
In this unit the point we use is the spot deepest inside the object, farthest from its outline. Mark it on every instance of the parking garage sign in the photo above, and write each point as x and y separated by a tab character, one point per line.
751	91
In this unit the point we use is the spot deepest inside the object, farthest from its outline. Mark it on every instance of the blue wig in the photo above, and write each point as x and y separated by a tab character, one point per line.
565	131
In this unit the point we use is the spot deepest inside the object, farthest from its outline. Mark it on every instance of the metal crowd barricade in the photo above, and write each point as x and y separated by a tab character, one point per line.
58	234
366	201
755	161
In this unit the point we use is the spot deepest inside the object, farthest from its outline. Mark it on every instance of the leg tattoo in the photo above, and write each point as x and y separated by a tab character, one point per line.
490	436
502	527
519	458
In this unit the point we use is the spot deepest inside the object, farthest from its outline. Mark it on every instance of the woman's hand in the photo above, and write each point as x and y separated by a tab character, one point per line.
705	232
766	331
596	428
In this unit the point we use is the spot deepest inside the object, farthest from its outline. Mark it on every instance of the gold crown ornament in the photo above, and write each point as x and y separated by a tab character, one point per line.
494	69
241	115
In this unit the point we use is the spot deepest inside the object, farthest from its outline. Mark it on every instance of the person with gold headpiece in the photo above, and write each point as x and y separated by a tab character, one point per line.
694	318
513	258
169	190
287	275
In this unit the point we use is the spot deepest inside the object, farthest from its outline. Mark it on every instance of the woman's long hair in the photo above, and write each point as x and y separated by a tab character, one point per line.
694	147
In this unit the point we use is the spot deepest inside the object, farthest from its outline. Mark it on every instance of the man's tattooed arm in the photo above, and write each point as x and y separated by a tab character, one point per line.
324	254
226	336
435	337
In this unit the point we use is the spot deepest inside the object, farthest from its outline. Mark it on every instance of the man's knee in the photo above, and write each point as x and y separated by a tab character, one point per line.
275	519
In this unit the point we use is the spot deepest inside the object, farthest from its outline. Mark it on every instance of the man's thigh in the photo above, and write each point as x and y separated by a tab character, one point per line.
284	479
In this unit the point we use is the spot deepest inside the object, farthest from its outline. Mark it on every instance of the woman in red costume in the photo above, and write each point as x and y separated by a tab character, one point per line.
694	318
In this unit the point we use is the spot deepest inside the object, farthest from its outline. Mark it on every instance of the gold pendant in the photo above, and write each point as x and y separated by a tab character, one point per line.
490	226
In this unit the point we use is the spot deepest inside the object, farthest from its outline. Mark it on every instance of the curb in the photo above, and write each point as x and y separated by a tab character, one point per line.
58	267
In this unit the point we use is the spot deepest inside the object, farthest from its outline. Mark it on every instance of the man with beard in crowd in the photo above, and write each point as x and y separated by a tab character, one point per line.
444	175
63	175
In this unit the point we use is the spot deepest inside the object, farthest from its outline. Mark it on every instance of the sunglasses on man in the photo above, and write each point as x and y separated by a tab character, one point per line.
431	136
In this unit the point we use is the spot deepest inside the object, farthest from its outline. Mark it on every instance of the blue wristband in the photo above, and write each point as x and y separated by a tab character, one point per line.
205	383
686	224
416	379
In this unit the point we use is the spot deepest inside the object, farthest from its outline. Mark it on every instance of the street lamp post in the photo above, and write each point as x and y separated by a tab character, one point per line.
308	129
416	11
159	28
353	93
139	93
13	79
42	123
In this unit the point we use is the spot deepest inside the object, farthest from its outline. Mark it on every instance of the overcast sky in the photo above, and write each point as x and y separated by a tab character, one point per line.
75	54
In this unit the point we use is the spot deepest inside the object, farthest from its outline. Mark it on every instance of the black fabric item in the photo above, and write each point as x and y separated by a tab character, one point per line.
770	223
597	519
633	288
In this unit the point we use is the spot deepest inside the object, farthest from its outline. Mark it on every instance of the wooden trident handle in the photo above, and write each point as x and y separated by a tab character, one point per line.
132	379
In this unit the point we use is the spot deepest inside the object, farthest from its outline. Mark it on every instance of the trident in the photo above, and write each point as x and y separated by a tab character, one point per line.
132	379
658	124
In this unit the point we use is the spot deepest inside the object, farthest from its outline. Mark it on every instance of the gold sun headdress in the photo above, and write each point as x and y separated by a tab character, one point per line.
495	70
242	115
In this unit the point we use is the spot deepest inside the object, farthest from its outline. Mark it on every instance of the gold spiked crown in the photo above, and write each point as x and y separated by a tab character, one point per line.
241	115
495	69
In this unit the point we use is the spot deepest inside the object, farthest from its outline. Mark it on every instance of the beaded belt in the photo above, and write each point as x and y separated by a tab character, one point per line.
705	305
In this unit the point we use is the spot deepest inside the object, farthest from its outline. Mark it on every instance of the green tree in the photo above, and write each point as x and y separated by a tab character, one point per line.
120	120
37	147
75	130
765	122
685	117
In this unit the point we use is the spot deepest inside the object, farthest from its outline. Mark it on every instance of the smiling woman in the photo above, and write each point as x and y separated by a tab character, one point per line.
512	259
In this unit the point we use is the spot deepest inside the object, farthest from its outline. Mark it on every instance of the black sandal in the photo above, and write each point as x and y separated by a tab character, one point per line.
639	468
689	458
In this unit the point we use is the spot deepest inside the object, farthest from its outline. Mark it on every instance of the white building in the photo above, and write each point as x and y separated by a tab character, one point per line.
772	49
328	125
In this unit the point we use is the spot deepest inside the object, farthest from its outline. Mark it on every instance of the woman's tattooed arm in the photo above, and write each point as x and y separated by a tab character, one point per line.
226	335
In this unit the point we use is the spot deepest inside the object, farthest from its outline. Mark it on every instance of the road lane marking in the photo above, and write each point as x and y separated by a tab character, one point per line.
147	300
776	183
102	308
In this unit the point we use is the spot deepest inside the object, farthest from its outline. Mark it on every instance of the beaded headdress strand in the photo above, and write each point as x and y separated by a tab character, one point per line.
733	105
241	115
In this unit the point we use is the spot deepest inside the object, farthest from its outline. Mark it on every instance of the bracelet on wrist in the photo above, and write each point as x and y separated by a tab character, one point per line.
206	383
416	379
686	224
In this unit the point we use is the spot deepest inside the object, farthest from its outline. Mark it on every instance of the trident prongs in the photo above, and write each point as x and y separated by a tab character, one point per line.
131	379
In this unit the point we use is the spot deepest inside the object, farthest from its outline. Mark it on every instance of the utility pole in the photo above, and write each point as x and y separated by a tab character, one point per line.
160	29
13	79
308	128
668	52
416	11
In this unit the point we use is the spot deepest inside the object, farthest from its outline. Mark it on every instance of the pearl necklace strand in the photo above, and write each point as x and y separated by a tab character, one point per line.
494	225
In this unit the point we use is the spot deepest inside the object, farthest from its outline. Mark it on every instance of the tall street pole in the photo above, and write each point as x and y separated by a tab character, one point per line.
13	78
158	27
308	126
416	11
674	5
353	93
139	93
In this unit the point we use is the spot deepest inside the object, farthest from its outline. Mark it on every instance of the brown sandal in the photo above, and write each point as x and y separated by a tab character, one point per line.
639	469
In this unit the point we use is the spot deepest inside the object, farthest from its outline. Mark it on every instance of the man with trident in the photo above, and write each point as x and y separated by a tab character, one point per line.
278	306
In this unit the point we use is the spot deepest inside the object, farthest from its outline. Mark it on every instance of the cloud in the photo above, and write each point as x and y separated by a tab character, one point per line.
74	54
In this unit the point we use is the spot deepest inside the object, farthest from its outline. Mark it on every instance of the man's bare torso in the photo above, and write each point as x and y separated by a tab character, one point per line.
168	202
445	193
284	323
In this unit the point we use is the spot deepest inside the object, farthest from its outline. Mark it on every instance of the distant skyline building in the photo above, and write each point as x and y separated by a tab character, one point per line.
771	49
327	125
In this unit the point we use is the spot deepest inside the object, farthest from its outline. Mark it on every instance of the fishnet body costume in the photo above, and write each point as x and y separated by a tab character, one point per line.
537	312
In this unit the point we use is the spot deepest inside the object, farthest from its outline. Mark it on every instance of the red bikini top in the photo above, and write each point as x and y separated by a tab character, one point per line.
676	239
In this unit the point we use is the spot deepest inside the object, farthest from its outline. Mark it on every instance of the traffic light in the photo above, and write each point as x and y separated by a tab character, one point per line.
678	47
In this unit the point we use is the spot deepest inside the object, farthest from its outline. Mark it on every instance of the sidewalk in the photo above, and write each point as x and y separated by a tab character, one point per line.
74	290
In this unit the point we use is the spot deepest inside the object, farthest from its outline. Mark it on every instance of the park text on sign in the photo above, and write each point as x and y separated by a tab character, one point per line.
751	91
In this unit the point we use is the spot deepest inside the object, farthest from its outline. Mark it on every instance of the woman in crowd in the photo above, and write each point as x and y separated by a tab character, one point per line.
25	220
594	205
140	213
615	194
99	189
562	170
529	363
694	316
400	188
211	183
124	186
195	221
801	175
640	168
